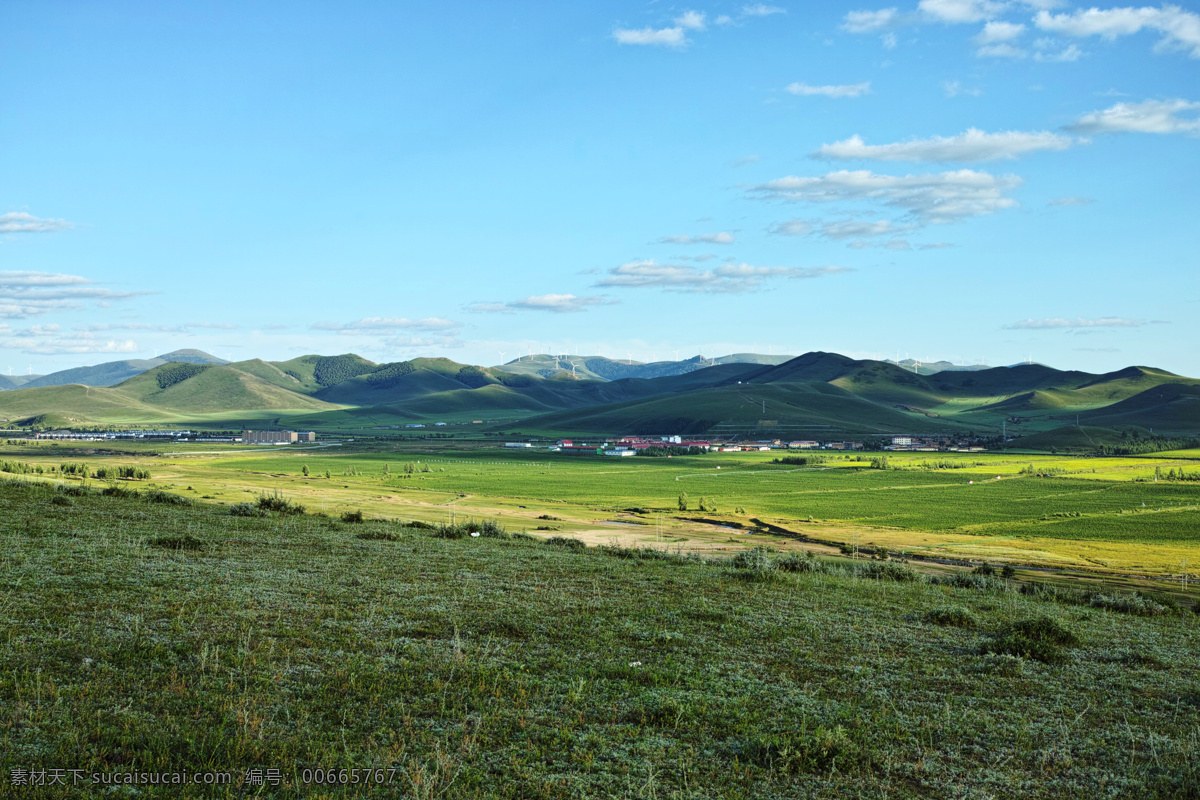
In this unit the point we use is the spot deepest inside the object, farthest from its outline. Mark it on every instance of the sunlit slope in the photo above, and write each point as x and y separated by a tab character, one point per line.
212	389
75	404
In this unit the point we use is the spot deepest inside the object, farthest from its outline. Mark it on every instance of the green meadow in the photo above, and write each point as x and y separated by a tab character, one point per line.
1110	514
147	632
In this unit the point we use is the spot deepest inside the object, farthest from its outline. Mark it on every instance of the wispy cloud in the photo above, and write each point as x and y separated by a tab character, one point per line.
385	325
792	227
1151	116
554	303
870	21
21	222
959	11
1180	29
24	294
972	145
50	340
845	90
932	198
728	279
762	10
857	229
956	89
663	37
706	238
1060	323
691	20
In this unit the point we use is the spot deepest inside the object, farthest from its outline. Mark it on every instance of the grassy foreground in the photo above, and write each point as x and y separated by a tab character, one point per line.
137	635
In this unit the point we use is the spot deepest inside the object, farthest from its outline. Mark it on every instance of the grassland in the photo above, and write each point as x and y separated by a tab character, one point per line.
140	636
1097	514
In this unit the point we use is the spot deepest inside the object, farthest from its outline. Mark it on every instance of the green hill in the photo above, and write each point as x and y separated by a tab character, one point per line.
111	373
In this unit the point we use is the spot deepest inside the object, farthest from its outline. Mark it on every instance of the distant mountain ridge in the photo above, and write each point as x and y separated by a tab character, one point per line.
111	373
816	395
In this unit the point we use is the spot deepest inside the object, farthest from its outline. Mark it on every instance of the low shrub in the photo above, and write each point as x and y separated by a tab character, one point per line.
278	503
964	580
1135	603
158	496
60	500
886	571
355	517
185	542
1041	639
822	749
951	616
71	490
567	542
377	536
987	570
246	510
806	563
116	491
756	563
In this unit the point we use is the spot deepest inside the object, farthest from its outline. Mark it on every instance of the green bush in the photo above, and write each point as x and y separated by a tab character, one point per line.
355	517
886	571
185	542
951	616
806	563
246	510
157	496
1134	603
567	542
756	563
1041	639
278	503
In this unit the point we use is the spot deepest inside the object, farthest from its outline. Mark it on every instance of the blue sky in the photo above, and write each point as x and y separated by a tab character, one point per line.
957	179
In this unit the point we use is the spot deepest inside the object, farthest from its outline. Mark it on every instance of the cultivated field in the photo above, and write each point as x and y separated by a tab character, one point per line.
1104	514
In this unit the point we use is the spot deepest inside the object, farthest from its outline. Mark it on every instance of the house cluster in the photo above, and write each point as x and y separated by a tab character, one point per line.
930	444
111	435
277	437
631	445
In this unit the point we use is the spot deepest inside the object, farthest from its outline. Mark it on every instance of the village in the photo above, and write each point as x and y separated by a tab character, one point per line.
678	445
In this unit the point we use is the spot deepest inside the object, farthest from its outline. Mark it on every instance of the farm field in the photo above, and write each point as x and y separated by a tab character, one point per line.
1106	514
174	636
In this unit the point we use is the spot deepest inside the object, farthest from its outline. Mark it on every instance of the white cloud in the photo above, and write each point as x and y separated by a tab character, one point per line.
707	238
888	40
1180	29
956	11
956	89
857	229
1151	116
870	21
724	19
1002	50
1059	323
24	294
846	90
792	227
761	10
666	37
996	31
21	222
1065	55
1070	201
556	303
728	279
933	198
383	325
691	20
48	340
973	145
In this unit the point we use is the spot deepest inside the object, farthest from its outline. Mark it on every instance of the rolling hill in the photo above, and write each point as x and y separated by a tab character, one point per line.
111	373
816	393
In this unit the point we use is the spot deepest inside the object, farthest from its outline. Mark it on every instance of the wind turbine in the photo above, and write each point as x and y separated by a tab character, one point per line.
501	352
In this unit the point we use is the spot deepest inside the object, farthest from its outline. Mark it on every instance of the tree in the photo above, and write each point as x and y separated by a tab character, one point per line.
327	475
410	468
304	469
386	470
683	501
